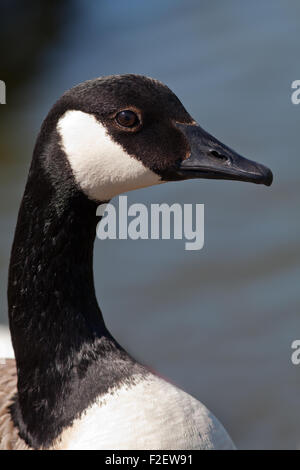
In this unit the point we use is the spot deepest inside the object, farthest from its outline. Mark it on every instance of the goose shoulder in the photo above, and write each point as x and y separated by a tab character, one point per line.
151	414
9	434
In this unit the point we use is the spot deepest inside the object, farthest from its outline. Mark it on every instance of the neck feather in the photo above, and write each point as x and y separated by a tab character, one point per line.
65	356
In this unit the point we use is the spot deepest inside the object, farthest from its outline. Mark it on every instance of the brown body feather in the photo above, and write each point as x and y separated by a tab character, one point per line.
9	436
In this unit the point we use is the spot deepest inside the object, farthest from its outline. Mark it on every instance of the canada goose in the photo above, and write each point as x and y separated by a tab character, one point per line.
72	386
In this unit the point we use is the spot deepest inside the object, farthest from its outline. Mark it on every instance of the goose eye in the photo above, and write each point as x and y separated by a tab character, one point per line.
127	118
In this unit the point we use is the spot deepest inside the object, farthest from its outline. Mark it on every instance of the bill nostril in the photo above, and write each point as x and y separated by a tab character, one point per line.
218	155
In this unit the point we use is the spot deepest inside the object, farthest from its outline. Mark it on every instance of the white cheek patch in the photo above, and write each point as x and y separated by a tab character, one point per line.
101	167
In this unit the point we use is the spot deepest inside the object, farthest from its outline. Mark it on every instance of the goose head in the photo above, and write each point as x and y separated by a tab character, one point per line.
124	132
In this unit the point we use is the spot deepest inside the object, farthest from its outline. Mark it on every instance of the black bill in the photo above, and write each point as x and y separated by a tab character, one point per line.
209	158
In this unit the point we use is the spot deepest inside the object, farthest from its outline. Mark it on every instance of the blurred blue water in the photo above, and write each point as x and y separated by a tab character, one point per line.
218	322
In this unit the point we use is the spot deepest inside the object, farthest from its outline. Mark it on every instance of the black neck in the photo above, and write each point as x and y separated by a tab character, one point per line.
51	273
62	347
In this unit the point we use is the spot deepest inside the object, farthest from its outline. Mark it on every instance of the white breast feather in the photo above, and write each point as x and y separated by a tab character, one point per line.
152	414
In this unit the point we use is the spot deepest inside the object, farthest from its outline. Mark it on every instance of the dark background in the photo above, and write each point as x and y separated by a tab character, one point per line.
218	322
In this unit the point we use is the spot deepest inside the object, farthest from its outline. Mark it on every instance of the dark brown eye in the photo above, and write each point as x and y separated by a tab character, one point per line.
127	118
